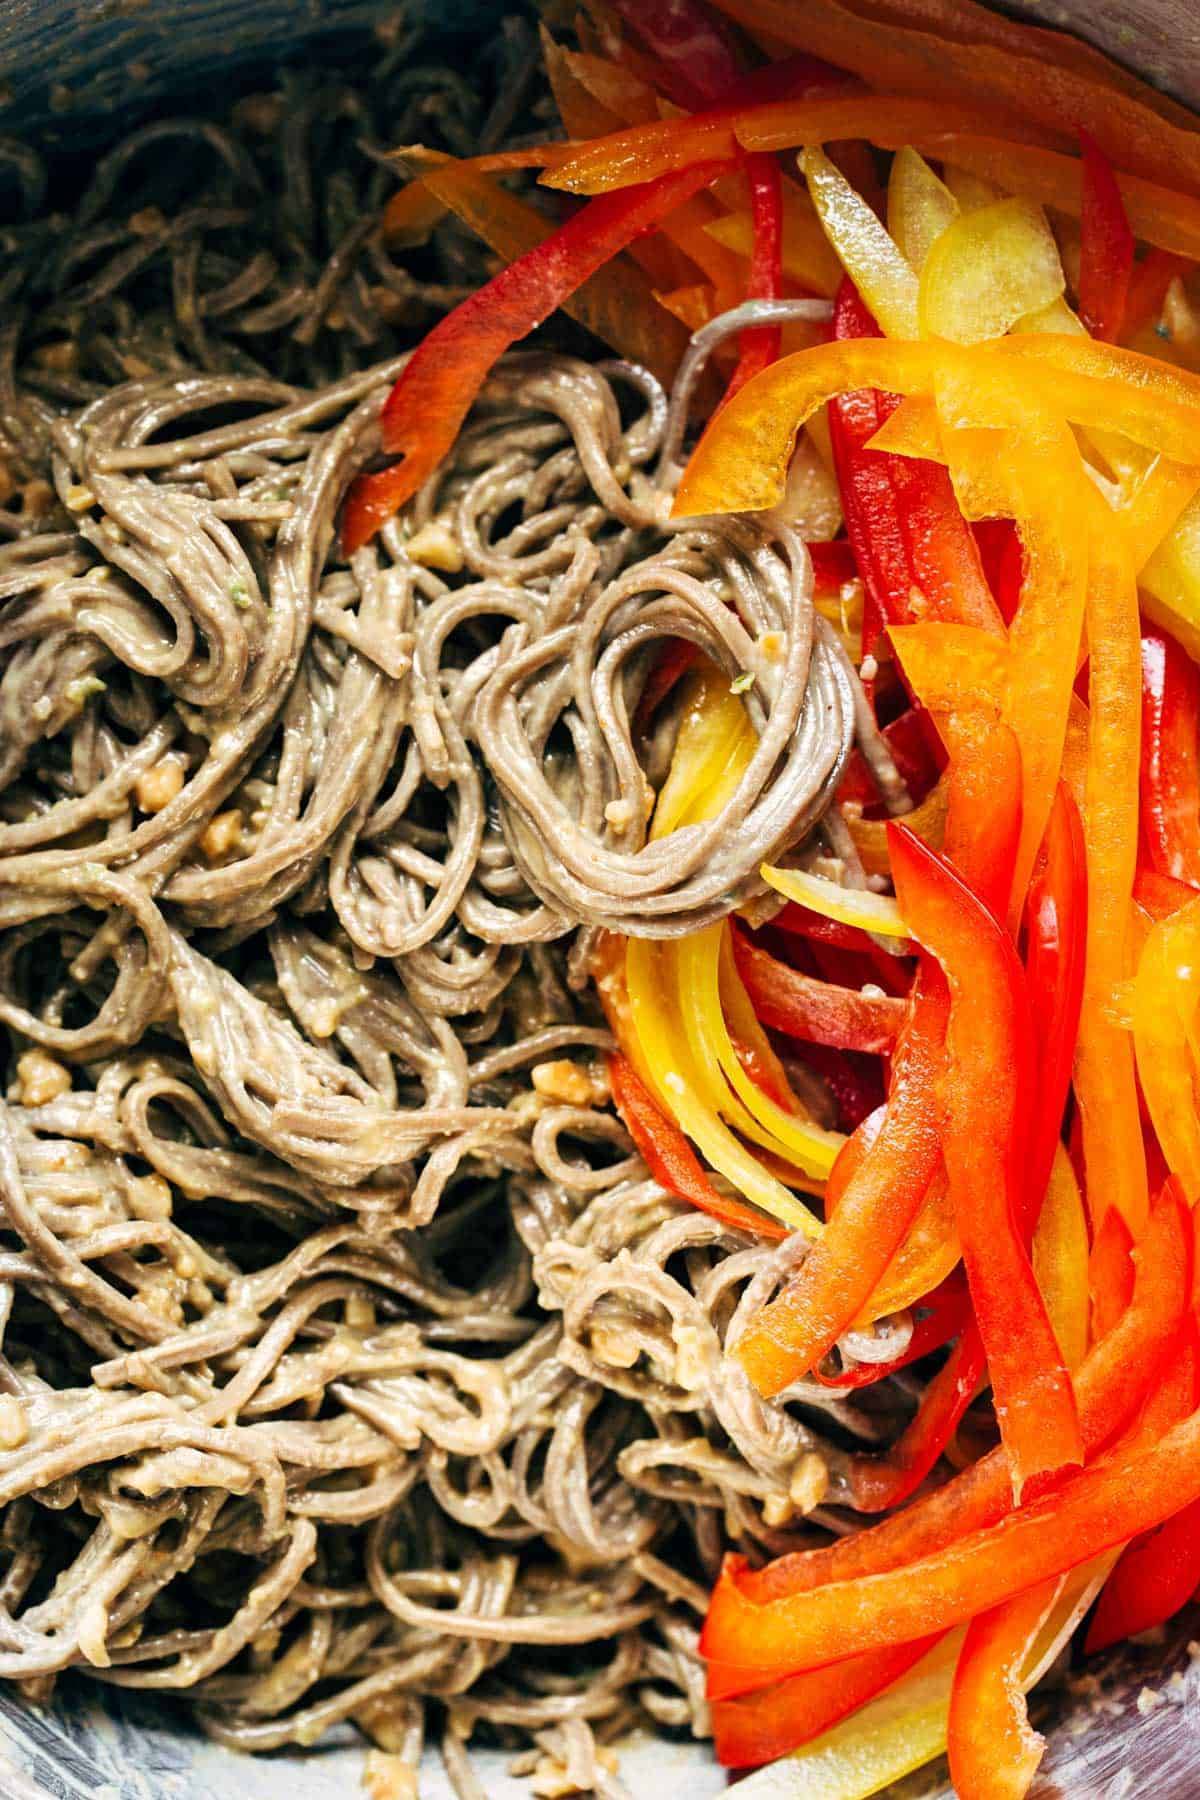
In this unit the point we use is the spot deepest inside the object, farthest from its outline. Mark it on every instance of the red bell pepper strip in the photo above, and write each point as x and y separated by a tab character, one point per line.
1056	946
426	407
944	1313
983	813
1170	773
854	1081
1106	245
833	565
994	1751
1095	1509
878	1483
801	921
1157	1574
987	1094
695	48
907	737
1161	895
914	550
1148	288
1110	1272
675	658
1000	552
759	345
802	1007
671	1159
761	1727
873	1212
1110	1386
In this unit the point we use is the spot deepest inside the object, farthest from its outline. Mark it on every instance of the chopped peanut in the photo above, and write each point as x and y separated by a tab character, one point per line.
360	1313
159	785
150	1197
78	497
222	834
434	548
564	1082
389	1777
14	1426
809	1483
147	222
41	1079
619	814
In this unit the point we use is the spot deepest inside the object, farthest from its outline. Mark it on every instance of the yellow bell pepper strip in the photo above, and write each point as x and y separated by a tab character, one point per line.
1106	245
802	1007
740	464
1157	215
1170	758
994	1751
433	396
1170	581
874	1210
1129	1491
1056	950
760	1727
988	269
1060	1259
827	110
1112	1382
1164	998
870	257
670	1158
986	1095
895	58
808	260
877	913
920	206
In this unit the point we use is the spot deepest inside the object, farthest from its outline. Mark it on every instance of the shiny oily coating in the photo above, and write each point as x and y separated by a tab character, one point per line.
346	1375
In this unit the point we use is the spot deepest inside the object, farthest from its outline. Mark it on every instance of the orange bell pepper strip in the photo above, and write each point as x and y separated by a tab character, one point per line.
1158	1574
741	462
1110	1272
761	1727
1105	1086
1106	245
983	817
1170	762
426	407
1026	85
671	1159
994	1751
1111	1385
986	1094
1129	1491
873	1212
1056	948
819	1011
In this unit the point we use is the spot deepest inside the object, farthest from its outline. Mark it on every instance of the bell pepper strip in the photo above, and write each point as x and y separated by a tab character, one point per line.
1106	245
802	1007
1160	895
1111	1384
740	464
759	345
671	1159
994	1751
760	1727
853	1081
877	913
1060	1260
1170	760
692	46
1170	581
908	739
986	1093
983	816
1110	1272
1163	999
871	258
919	206
988	269
1129	1491
902	519
874	1210
891	56
832	109
834	565
422	414
1159	1573
1056	948
943	1313
879	1483
1148	286
999	545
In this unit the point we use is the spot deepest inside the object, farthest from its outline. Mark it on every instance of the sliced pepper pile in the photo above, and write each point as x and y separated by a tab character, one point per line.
959	1055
